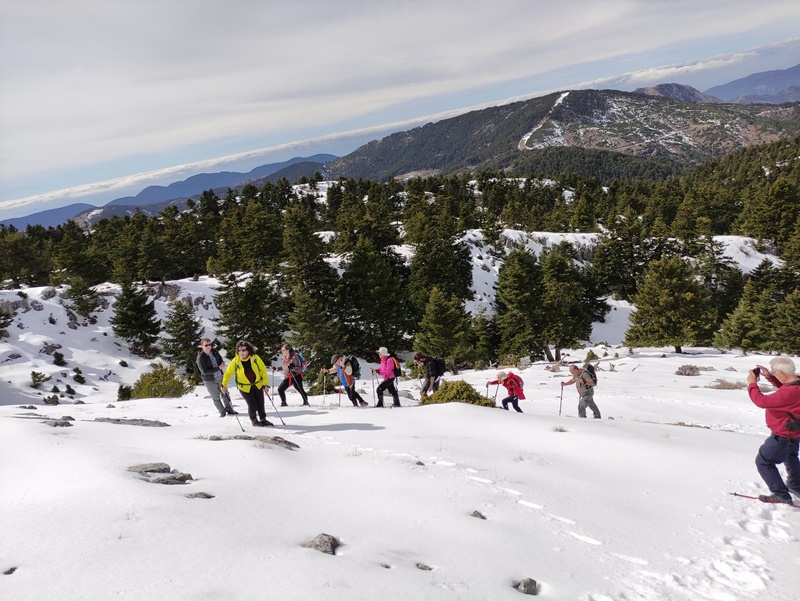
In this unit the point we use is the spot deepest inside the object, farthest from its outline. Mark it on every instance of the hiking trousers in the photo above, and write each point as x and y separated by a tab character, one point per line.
389	386
588	401
779	449
514	400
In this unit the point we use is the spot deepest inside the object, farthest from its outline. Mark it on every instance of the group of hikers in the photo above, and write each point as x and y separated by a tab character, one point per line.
252	379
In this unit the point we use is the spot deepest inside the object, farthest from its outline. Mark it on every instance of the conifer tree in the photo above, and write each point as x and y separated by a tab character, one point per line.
671	307
6	319
443	261
745	327
183	330
566	319
518	303
135	320
785	327
373	301
84	298
444	329
250	308
314	331
486	339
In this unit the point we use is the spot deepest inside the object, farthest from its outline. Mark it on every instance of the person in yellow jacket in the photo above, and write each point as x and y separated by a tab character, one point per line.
251	379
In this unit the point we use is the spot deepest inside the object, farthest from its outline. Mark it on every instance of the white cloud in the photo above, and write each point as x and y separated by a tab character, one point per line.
93	82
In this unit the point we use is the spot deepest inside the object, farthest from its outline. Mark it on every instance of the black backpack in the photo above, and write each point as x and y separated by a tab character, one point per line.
351	359
592	372
396	365
441	366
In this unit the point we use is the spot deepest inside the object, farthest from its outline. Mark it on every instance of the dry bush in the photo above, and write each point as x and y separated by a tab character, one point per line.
727	385
688	370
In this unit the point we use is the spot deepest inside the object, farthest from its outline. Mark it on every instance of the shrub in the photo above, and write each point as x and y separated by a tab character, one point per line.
51	400
124	393
591	356
58	359
322	384
162	382
38	378
688	370
123	363
69	389
52	319
414	370
727	385
54	389
78	377
457	391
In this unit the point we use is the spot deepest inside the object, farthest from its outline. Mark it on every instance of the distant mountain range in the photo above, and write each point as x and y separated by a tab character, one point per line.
769	87
656	129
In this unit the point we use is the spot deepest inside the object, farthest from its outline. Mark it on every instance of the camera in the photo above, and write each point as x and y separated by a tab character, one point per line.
756	371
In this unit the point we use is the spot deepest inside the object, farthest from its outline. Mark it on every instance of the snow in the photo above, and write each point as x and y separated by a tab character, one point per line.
634	508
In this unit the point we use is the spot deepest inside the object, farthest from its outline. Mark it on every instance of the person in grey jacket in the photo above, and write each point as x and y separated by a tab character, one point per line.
211	366
585	384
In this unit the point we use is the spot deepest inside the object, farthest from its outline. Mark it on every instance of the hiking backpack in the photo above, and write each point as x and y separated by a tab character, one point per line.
518	380
351	359
303	366
592	372
396	365
441	366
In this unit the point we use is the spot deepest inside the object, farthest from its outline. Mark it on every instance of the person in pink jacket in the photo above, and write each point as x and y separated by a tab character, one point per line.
783	419
387	370
513	383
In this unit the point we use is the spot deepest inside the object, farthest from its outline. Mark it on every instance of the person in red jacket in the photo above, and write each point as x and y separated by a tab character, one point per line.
782	445
512	383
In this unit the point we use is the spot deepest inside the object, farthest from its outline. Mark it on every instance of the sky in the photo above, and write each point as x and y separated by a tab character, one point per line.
100	99
635	506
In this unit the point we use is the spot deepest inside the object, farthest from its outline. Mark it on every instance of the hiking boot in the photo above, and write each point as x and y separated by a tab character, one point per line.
255	423
364	404
773	498
306	404
222	414
231	412
379	405
284	405
264	423
395	404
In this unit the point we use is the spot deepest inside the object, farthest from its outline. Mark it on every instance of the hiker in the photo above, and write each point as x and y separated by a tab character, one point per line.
345	370
211	367
292	375
585	384
782	416
388	370
433	372
513	383
251	379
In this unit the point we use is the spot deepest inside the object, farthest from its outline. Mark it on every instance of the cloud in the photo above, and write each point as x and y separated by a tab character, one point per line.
97	88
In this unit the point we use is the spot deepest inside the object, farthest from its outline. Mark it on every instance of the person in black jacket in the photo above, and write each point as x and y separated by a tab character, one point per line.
432	377
211	366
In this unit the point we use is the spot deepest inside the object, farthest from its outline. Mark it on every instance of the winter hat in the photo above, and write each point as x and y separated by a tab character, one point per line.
383	351
335	358
501	375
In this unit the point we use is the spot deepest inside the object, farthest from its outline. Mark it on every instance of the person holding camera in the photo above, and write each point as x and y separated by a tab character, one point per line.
782	414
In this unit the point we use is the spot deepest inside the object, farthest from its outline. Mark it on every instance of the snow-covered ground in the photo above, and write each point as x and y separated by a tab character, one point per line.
634	508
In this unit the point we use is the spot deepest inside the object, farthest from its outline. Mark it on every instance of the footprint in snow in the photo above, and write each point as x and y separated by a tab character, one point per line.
586	539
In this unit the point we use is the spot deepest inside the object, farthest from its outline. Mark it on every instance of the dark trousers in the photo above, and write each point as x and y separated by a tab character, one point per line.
514	400
389	386
353	395
431	384
255	402
779	449
297	382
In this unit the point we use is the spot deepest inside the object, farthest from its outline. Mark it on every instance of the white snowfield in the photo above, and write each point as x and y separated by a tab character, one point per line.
634	508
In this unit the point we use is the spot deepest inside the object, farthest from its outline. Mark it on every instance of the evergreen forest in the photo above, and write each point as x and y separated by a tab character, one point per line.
352	265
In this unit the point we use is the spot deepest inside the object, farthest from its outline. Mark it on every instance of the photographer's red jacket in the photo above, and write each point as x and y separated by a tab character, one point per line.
778	404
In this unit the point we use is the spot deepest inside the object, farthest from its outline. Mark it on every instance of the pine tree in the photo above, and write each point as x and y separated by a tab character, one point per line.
518	303
671	307
183	330
747	327
6	319
444	329
135	320
250	308
486	339
785	327
566	319
84	298
314	331
373	301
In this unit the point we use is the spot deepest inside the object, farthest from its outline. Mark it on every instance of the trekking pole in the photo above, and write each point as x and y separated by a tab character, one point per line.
496	388
560	401
324	387
230	404
487	391
278	413
374	398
